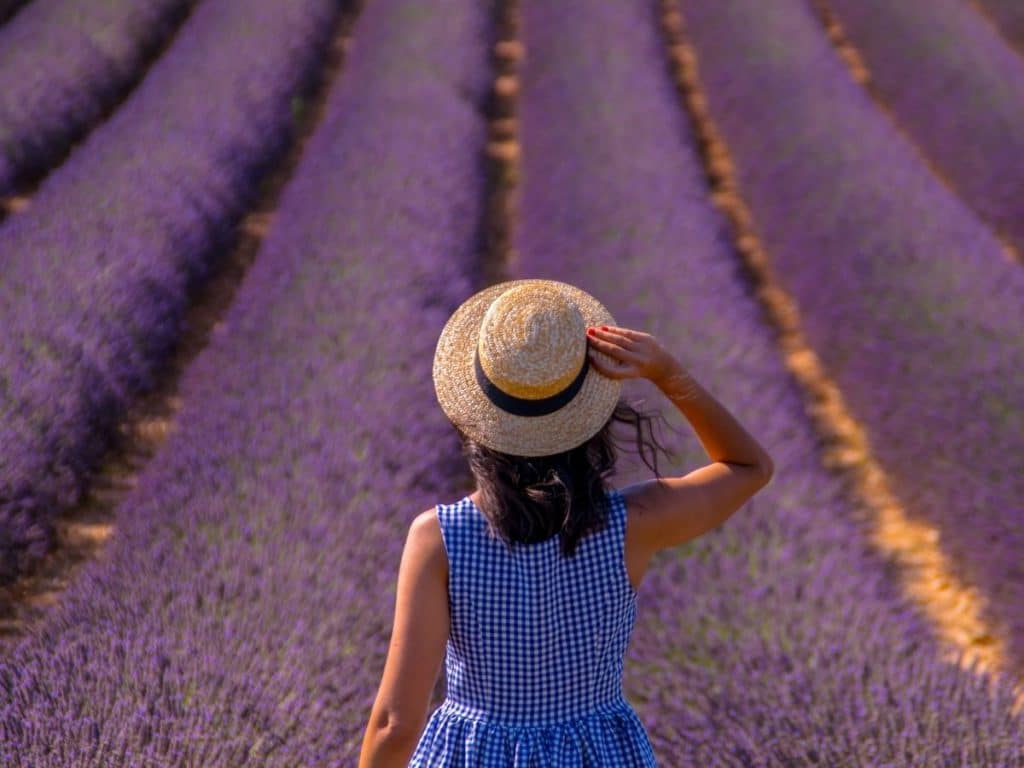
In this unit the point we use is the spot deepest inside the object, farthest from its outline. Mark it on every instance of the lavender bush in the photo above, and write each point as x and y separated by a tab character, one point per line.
248	592
780	638
1008	16
97	273
63	63
906	296
957	88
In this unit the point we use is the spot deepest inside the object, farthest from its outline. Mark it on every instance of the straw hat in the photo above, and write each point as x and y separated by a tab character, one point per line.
511	368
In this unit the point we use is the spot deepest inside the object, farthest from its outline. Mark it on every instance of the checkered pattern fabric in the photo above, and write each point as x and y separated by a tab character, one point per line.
534	655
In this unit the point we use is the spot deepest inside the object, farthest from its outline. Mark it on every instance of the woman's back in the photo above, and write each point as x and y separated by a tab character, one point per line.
534	659
529	372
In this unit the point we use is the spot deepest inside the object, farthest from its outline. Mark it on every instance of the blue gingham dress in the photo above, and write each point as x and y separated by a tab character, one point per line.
534	654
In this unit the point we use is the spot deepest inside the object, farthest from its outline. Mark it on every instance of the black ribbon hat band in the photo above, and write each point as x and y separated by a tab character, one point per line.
521	406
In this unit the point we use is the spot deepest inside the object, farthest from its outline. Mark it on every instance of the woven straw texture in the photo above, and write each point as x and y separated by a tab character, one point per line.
531	337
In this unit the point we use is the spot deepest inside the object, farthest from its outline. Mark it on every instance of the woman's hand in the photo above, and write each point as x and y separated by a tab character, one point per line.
635	355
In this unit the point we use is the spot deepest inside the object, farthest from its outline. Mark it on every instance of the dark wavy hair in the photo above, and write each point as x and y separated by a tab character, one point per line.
531	499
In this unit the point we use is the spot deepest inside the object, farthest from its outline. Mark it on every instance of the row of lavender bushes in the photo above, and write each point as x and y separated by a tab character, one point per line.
62	64
957	87
780	638
1008	16
904	293
98	272
249	589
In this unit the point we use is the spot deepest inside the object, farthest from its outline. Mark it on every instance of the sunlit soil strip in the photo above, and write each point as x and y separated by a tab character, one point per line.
953	607
861	75
82	531
503	157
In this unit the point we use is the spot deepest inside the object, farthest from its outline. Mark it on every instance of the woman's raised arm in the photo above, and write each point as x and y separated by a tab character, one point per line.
669	511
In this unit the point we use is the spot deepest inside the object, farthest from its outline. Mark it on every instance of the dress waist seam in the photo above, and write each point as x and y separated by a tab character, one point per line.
615	704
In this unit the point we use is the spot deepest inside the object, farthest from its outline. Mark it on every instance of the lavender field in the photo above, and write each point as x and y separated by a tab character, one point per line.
62	64
1008	18
957	87
98	271
837	261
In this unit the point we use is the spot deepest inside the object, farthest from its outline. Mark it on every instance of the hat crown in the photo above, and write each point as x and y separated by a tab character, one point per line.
532	341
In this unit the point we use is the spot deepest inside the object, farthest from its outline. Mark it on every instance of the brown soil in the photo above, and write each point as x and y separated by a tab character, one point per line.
502	147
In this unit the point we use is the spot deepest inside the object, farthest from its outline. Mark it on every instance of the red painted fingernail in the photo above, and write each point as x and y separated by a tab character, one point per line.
604	327
590	331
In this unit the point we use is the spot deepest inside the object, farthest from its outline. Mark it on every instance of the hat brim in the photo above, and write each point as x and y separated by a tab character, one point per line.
467	407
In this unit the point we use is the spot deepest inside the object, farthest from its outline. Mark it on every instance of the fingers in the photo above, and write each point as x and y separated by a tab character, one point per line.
622	363
628	333
609	333
634	354
618	370
625	346
612	348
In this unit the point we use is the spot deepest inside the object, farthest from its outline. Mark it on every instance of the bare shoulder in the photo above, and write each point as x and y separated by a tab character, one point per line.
426	523
424	560
425	531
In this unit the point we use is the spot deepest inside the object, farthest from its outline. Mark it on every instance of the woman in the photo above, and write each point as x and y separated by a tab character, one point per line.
527	586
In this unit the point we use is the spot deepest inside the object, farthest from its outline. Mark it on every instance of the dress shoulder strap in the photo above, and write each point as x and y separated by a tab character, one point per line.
617	516
460	527
616	509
